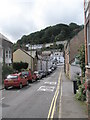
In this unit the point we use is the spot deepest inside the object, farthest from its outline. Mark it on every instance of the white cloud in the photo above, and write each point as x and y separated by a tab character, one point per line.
19	17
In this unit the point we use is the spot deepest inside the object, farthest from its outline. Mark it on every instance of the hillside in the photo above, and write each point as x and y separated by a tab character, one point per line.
59	32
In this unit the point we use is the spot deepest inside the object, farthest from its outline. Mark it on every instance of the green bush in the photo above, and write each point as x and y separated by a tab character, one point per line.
6	70
20	65
77	78
81	94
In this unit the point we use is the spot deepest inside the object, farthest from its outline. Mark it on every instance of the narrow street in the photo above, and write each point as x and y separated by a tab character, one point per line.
33	101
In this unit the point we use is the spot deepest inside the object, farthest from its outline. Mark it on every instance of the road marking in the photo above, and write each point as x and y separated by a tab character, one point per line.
2	98
51	83
53	103
60	102
18	91
46	88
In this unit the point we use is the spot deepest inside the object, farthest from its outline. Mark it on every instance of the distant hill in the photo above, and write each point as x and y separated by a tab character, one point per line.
59	32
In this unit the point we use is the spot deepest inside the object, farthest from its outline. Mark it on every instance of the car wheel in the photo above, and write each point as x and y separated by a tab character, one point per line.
20	86
6	87
32	81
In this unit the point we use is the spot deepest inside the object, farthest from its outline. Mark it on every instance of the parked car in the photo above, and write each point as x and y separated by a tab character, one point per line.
15	80
34	77
30	77
26	74
38	74
49	71
52	68
43	73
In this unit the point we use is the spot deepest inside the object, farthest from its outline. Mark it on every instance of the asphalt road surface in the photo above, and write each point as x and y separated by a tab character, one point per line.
31	101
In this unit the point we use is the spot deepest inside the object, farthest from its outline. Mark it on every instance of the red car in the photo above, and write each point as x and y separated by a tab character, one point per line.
29	76
34	76
15	80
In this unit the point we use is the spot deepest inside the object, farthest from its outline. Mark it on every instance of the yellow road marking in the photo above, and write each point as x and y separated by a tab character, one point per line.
53	103
60	100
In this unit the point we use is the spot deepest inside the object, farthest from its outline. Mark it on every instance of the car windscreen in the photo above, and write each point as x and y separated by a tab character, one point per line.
25	73
12	77
36	72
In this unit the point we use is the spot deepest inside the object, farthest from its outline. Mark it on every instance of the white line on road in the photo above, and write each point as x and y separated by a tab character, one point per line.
51	83
46	88
18	91
2	98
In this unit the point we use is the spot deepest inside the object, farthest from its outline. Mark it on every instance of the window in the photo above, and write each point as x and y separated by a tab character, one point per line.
88	42
6	54
89	56
12	77
9	54
86	4
87	13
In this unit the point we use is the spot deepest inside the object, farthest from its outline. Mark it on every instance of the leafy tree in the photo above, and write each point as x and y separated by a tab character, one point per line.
59	32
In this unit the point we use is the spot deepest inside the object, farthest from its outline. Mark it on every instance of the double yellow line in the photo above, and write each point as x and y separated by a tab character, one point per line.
53	103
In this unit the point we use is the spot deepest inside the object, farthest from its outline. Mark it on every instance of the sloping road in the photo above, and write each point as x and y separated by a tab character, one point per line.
32	101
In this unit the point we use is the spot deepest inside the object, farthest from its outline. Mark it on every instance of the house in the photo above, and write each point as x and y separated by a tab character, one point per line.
87	49
44	61
26	56
57	56
6	50
71	50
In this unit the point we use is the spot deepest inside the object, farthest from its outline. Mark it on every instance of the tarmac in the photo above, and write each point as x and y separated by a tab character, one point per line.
1	87
69	107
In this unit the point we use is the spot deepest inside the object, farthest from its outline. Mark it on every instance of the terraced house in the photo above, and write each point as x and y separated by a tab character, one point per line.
5	50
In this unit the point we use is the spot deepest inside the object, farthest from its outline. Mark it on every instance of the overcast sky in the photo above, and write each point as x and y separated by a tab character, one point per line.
22	17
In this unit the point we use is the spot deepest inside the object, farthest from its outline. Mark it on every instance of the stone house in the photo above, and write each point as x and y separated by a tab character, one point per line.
71	50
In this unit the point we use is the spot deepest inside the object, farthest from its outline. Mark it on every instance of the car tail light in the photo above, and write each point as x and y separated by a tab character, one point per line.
5	80
15	80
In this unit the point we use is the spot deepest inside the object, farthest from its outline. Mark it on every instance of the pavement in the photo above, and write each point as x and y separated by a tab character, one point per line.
69	107
1	87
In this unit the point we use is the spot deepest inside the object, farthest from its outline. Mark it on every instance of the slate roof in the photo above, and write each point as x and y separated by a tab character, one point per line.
3	37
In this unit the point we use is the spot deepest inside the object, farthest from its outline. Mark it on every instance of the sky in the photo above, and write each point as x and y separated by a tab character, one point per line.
22	17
